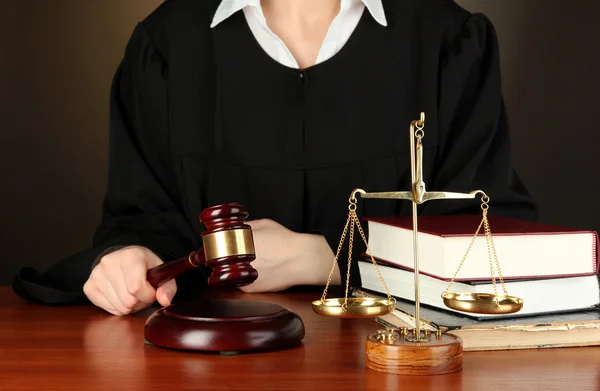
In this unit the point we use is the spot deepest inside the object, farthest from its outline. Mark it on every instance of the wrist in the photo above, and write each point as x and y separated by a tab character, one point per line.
315	262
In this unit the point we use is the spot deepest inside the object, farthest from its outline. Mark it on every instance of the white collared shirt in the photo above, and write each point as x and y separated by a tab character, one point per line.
340	30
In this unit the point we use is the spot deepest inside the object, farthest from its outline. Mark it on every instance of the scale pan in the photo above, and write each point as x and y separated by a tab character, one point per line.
482	303
357	307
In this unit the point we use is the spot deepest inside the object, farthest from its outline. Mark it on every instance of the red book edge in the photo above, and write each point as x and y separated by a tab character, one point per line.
458	226
465	225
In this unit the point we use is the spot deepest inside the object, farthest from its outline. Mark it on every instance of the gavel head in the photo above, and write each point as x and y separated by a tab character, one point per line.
228	245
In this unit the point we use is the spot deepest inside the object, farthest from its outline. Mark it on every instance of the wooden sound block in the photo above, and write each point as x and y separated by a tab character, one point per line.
226	326
394	352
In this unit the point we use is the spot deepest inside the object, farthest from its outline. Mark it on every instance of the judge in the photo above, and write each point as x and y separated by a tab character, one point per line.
285	106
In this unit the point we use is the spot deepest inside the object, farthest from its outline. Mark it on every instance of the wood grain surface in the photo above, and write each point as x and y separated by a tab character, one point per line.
82	348
434	356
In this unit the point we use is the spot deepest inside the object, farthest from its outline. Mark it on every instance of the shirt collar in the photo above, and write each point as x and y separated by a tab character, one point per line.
375	7
229	7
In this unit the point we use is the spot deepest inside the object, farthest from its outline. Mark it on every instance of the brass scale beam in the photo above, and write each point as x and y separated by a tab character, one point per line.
417	196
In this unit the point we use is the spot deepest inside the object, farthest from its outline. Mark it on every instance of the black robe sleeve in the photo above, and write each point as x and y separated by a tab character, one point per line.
474	140
141	205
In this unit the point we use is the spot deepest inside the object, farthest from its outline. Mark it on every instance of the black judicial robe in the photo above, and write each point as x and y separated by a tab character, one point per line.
203	116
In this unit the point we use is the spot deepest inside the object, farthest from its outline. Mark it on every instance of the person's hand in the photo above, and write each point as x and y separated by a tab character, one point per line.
285	258
118	283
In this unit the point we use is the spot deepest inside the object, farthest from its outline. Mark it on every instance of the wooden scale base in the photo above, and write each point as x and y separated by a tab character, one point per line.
395	351
224	326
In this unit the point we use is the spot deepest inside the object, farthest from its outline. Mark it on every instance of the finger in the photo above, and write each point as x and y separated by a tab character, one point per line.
134	278
114	276
107	289
117	282
166	292
109	293
92	290
98	299
139	306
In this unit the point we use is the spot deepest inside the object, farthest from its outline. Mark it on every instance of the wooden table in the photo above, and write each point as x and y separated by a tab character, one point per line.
83	348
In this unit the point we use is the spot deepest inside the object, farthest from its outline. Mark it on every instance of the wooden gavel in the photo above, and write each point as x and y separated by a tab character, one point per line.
228	326
228	249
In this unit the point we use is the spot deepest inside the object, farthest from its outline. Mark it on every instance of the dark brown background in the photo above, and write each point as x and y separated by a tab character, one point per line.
57	59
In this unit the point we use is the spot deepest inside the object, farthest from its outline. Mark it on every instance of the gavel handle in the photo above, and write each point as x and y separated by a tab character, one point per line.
160	274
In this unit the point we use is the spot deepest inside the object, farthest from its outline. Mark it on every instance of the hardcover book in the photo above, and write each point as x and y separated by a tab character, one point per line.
525	250
540	296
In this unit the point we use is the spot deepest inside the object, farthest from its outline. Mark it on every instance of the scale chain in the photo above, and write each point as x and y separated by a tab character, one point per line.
351	222
492	248
335	260
362	234
350	242
492	256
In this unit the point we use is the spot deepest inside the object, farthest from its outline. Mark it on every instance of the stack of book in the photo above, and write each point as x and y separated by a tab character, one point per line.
553	269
